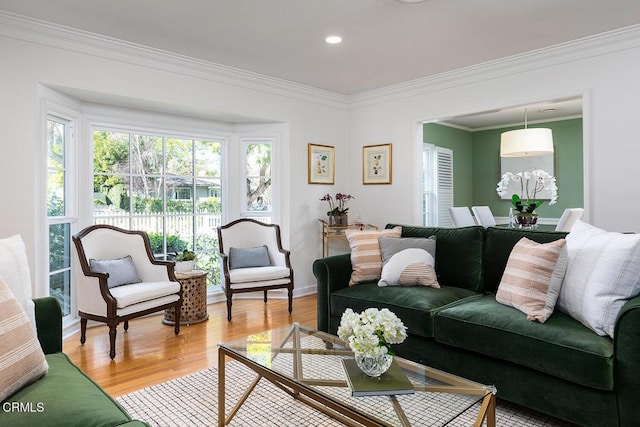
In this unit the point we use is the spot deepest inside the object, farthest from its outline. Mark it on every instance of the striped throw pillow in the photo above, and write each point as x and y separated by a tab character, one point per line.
532	278
21	358
366	260
409	267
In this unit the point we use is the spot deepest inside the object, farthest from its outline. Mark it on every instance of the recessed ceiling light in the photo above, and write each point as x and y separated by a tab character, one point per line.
333	39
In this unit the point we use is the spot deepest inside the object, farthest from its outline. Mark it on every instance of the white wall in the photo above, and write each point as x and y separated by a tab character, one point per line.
119	72
604	70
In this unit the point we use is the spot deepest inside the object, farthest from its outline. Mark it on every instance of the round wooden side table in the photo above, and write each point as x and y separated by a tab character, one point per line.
194	299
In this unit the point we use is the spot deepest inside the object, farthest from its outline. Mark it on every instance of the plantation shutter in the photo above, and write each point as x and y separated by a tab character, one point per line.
444	186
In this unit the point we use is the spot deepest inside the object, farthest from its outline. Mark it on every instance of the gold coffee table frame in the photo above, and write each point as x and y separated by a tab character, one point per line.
302	388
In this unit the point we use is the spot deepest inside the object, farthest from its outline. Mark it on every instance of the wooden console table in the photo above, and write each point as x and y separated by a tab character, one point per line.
337	232
194	299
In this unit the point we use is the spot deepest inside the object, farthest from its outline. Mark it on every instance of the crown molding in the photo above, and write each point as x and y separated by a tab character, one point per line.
58	36
587	47
53	35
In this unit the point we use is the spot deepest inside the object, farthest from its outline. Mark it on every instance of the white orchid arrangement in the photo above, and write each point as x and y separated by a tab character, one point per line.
531	183
371	332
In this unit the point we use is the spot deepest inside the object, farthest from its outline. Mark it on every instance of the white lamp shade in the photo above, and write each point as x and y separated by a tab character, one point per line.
527	142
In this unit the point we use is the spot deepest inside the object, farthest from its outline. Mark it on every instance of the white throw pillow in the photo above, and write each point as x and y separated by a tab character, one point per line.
14	269
603	272
409	267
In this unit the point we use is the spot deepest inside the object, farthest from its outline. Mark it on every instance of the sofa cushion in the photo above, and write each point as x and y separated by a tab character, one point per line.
128	295
409	267
389	246
21	358
64	397
531	281
561	346
498	245
602	275
415	306
366	259
455	247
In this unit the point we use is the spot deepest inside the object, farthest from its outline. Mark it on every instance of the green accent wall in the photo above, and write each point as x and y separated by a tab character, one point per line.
461	142
476	157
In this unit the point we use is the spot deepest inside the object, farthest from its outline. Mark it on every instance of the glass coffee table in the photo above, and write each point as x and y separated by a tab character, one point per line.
307	365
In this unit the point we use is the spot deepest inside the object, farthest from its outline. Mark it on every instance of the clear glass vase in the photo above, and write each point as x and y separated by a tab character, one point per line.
374	366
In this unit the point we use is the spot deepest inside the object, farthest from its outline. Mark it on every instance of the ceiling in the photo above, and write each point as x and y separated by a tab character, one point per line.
515	116
385	42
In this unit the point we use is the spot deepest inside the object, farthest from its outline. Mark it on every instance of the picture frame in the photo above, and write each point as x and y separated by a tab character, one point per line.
523	164
321	164
377	164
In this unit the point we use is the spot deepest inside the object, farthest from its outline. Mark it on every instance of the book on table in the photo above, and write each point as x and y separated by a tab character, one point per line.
392	382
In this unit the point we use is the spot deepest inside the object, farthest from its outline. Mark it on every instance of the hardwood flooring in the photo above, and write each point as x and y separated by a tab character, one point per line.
149	353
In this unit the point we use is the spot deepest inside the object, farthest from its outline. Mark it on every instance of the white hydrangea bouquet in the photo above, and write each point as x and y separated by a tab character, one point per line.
371	333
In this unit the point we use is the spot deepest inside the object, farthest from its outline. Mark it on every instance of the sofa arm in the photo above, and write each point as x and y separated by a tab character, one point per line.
49	324
332	273
627	362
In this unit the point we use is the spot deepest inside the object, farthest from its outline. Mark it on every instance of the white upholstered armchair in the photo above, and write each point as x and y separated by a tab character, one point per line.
121	280
253	259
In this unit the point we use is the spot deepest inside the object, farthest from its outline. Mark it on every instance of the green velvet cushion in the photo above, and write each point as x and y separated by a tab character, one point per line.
414	305
459	253
67	397
561	346
498	245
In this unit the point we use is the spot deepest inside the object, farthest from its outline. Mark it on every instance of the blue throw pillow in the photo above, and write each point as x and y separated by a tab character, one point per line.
122	271
249	257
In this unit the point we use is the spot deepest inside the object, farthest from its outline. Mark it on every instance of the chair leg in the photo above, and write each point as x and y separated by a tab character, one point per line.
265	297
126	325
176	328
83	330
229	308
112	340
290	295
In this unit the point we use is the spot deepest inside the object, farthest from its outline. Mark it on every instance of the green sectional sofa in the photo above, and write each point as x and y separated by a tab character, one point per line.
560	367
65	396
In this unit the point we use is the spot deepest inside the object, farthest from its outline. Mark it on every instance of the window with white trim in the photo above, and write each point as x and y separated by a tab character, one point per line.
61	208
437	185
258	179
168	186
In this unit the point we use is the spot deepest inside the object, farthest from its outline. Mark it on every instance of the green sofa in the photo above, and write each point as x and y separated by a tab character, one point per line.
560	367
65	396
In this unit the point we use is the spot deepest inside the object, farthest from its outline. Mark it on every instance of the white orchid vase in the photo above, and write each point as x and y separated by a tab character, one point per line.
531	184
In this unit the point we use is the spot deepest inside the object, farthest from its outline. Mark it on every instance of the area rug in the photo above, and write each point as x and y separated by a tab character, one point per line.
192	401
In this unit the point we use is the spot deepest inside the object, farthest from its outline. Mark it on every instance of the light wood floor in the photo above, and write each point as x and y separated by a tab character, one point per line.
149	353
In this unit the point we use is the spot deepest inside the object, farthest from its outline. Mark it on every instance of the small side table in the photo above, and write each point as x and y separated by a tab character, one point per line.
337	232
194	299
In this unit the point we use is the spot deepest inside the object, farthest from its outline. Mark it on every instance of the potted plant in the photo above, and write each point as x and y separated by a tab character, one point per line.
337	212
525	203
185	261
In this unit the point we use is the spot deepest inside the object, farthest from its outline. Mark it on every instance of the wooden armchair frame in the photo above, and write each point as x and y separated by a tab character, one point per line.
229	289
111	316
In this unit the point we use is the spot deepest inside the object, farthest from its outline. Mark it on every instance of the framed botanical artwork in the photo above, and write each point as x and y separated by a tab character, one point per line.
321	164
376	164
